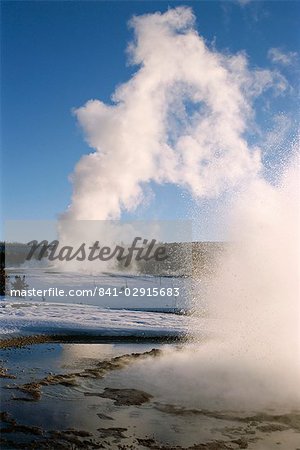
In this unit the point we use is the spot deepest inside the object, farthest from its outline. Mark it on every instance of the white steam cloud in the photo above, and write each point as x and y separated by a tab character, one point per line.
181	118
249	356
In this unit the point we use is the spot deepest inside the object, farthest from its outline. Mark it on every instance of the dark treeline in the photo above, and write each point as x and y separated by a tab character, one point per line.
14	253
184	259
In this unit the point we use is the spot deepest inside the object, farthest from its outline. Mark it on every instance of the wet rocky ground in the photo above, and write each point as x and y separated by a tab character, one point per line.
79	396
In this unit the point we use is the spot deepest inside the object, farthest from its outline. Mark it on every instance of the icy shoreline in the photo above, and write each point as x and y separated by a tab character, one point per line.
19	317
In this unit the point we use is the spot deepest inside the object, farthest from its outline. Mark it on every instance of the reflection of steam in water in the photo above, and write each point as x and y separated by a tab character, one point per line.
79	353
76	355
78	358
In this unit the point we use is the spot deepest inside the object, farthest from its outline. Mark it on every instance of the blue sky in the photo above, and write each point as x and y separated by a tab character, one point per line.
58	55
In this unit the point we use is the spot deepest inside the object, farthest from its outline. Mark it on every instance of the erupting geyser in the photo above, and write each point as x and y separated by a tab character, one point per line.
249	357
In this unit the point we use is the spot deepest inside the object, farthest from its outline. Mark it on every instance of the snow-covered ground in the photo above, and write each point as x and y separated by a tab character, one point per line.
41	317
106	315
43	279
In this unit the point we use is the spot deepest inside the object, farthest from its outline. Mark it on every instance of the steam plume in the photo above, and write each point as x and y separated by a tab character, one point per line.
181	118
